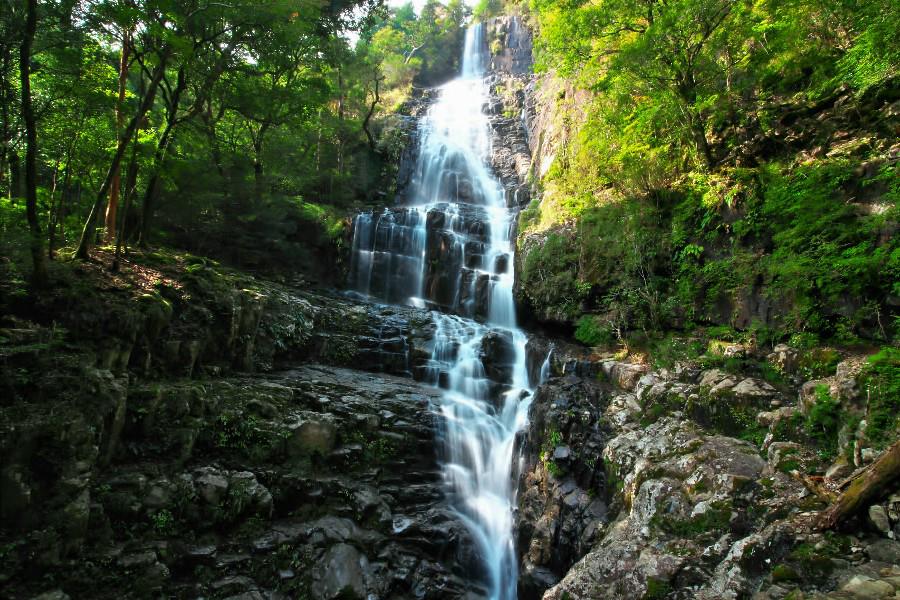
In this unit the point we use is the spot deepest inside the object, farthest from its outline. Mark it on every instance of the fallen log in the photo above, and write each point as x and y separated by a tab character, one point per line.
866	488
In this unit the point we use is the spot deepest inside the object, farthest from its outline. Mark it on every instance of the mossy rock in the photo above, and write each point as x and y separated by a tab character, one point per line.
784	573
158	312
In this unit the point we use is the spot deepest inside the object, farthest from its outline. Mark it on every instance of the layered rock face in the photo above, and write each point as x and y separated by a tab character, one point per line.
318	482
147	461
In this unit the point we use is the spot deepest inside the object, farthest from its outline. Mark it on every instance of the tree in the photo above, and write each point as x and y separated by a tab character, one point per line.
39	275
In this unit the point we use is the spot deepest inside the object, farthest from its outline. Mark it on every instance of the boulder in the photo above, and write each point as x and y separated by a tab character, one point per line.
341	574
625	376
313	433
785	359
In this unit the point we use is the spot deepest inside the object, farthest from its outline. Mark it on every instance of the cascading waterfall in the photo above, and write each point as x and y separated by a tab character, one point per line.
452	249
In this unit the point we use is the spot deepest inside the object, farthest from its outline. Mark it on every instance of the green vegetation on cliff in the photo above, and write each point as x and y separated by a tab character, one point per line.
721	163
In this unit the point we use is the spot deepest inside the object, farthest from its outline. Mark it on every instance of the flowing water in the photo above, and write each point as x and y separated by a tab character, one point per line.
451	249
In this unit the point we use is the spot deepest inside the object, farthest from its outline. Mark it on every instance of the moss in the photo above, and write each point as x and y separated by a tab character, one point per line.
714	521
339	350
823	423
657	589
880	381
652	414
818	362
376	449
784	573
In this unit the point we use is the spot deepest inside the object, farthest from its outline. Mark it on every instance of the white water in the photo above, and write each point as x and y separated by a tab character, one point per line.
452	249
479	428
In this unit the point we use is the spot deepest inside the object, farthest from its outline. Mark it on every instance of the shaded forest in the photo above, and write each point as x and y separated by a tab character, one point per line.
243	131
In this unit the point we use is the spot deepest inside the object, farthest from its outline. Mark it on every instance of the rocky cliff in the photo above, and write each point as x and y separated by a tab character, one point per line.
181	436
693	483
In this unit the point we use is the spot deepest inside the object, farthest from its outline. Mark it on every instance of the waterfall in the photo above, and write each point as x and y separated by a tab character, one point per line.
451	249
545	366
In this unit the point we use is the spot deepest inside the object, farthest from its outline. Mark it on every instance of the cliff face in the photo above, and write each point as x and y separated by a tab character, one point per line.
645	245
217	435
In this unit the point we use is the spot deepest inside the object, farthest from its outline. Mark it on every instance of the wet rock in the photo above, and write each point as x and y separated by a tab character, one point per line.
753	389
312	433
498	355
52	595
886	551
342	574
211	484
232	585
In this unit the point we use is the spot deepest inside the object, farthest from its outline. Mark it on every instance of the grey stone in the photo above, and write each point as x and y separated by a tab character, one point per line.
878	517
341	574
52	595
140	559
865	588
313	433
211	485
886	551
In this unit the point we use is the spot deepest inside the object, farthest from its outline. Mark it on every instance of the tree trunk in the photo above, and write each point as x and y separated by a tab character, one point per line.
51	210
15	176
86	234
375	100
877	480
699	131
130	183
114	188
258	174
159	157
149	202
39	276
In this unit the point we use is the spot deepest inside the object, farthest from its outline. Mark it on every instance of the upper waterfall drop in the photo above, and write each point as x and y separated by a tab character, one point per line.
451	248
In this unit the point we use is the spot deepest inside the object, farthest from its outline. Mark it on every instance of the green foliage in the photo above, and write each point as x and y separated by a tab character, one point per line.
823	422
671	228
880	381
549	276
782	573
163	522
238	431
376	449
592	332
485	9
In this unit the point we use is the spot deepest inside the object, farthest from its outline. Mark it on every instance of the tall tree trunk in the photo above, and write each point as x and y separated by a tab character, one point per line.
258	180
113	205
150	194
687	89
7	102
130	183
87	233
15	176
258	174
375	100
51	212
698	130
159	157
39	276
340	130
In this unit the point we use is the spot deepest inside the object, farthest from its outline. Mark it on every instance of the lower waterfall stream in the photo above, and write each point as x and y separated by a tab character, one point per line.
451	250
